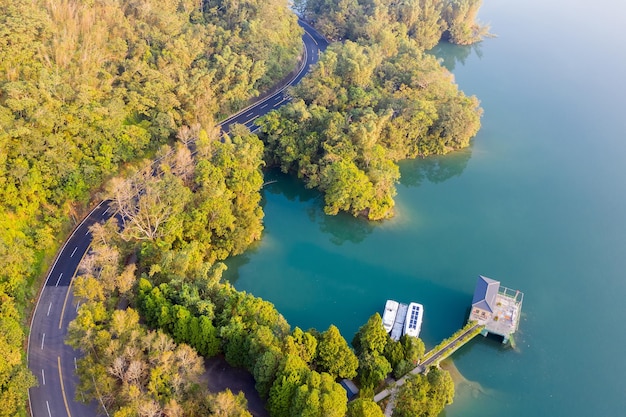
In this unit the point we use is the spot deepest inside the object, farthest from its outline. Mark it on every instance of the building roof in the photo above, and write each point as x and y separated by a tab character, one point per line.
351	389
485	293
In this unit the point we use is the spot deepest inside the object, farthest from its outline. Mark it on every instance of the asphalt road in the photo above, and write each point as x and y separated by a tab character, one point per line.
314	44
49	358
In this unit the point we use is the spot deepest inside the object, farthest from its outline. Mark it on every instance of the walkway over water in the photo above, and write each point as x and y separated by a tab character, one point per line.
432	358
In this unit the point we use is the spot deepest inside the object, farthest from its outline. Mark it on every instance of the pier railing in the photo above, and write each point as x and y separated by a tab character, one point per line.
434	356
451	344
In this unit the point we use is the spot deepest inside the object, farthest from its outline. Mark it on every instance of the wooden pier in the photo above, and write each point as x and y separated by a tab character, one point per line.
436	355
495	309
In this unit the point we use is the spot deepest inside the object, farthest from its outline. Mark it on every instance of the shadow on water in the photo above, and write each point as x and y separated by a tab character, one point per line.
451	54
288	186
435	169
234	263
342	228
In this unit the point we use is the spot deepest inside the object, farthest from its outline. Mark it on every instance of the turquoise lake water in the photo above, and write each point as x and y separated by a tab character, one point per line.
537	202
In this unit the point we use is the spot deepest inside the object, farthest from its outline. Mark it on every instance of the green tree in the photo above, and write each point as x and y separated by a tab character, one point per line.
460	16
226	404
413	347
292	373
371	336
301	343
334	356
373	369
236	344
362	407
15	378
394	352
265	370
204	336
425	395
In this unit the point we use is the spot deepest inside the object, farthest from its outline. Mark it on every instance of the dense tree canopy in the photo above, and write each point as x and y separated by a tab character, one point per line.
89	87
179	292
425	21
335	356
362	407
365	106
86	87
424	395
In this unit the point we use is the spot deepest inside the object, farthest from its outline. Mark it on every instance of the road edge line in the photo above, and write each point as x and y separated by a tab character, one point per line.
67	408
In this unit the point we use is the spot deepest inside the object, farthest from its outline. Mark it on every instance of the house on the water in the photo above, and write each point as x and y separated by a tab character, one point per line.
496	307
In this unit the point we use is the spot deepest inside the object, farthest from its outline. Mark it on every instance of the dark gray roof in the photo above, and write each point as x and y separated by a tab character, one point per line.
351	389
485	293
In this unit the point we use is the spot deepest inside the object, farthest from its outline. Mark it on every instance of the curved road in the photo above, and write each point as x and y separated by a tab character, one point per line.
49	358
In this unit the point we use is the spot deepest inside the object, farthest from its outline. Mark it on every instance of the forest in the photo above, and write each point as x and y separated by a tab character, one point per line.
89	87
90	91
374	99
174	287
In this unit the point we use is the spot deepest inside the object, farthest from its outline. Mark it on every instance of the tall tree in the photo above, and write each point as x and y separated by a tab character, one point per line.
371	336
334	356
424	395
362	407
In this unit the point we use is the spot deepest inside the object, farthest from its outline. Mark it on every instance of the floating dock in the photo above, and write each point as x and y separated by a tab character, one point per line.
398	325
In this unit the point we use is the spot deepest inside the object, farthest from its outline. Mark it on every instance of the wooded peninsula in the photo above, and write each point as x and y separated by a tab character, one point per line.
92	91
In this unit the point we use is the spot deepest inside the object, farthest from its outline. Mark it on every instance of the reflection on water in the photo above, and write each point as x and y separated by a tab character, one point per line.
234	263
435	169
342	228
450	54
288	185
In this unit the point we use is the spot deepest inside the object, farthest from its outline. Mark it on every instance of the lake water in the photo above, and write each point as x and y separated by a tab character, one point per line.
537	202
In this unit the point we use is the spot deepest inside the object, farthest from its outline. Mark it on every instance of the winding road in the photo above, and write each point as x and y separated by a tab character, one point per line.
49	358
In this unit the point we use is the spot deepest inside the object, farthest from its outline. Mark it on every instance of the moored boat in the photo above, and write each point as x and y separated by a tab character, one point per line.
413	320
389	315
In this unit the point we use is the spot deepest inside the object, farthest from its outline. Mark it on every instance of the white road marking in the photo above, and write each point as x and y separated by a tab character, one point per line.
42	339
75	366
311	36
59	280
49	307
77	305
48	405
106	211
43	377
73	252
86	233
263	106
250	114
278	104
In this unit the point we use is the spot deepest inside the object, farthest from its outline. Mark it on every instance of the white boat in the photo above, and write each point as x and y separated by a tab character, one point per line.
413	321
389	316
